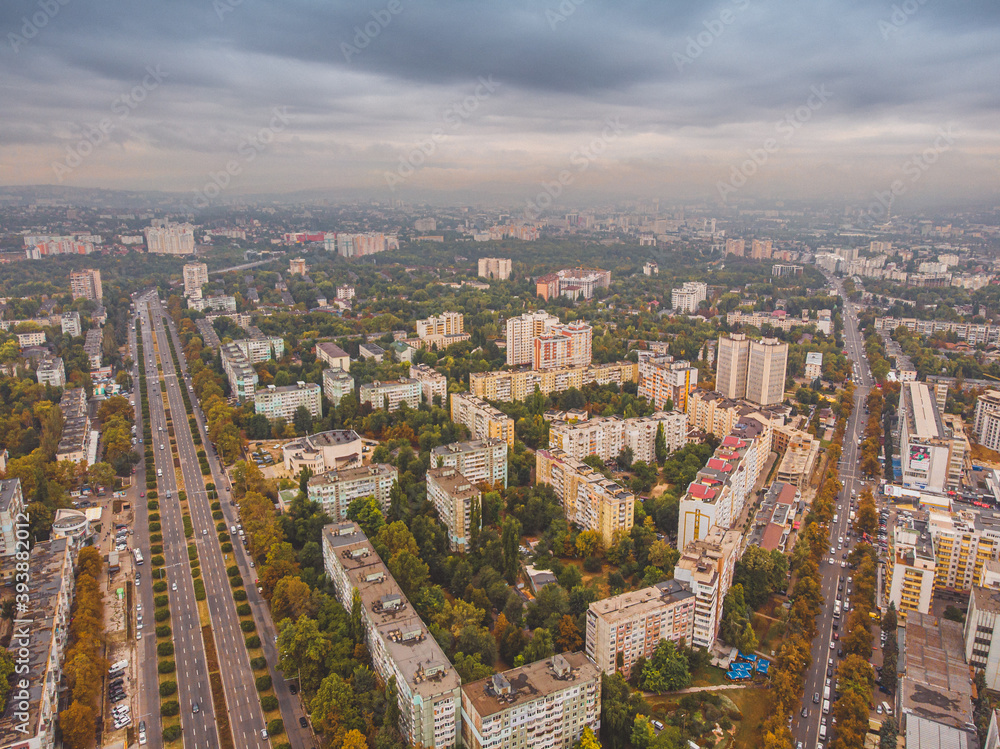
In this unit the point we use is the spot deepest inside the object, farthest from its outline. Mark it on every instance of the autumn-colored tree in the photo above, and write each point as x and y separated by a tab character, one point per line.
354	739
291	599
568	638
77	725
500	628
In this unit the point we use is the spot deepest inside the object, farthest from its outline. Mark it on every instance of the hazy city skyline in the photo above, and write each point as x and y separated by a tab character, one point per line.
724	100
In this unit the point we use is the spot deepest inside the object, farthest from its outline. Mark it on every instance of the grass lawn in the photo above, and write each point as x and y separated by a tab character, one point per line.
708	676
756	706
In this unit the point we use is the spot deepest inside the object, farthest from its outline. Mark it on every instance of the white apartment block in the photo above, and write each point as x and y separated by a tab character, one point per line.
195	276
910	567
261	349
605	437
522	332
663	379
706	568
482	419
650	268
445	324
86	284
11	506
429	689
986	427
569	345
629	626
51	372
688	297
766	371
814	365
391	395
221	303
24	340
495	267
297	267
515	385
336	384
335	490
333	355
591	501
640	433
345	293
477	460
31	717
732	360
431	382
71	324
242	376
454	496
360	245
544	705
170	239
281	402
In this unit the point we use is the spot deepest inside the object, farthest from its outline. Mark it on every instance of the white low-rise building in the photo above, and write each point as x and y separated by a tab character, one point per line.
281	402
390	395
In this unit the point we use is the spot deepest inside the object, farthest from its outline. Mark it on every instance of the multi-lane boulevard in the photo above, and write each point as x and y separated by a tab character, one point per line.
193	687
815	729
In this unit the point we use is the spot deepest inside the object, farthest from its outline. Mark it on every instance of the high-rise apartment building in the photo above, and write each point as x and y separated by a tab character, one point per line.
495	267
761	249
910	567
71	324
986	426
456	500
687	298
606	437
706	569
569	345
335	490
11	508
429	690
282	401
735	247
333	355
431	382
732	361
664	381
445	324
543	705
522	332
591	501
195	276
336	384
170	239
297	267
391	394
629	626
766	368
51	371
86	284
482	419
477	460
515	385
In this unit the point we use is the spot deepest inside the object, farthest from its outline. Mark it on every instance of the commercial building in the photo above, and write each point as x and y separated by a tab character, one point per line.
664	381
71	324
477	460
687	298
814	365
607	436
431	382
495	267
220	303
335	490
333	355
518	384
336	384
321	452
455	497
86	284
72	525
51	371
591	501
522	332
779	270
932	454
30	719
544	705
629	626
986	427
428	687
445	324
195	276
282	401
934	695
11	507
482	419
723	487
910	567
390	395
706	568
170	239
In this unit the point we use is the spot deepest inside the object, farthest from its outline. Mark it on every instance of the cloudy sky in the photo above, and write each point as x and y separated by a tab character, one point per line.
462	98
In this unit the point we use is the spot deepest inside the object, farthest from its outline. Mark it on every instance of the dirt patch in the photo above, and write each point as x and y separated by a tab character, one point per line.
221	715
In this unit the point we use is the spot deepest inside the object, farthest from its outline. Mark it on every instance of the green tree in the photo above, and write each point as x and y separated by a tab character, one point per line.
888	733
540	646
510	541
6	671
258	427
661	444
666	671
366	513
303	420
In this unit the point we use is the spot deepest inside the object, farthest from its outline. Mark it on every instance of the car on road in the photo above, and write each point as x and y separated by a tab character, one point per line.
194	707
293	689
305	723
815	698
174	586
263	733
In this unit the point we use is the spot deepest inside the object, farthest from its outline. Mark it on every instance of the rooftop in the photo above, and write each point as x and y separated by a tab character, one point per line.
501	692
351	474
331	349
936	684
651	598
8	490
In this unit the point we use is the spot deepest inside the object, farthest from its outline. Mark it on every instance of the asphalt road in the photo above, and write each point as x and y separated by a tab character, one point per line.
191	675
807	730
289	704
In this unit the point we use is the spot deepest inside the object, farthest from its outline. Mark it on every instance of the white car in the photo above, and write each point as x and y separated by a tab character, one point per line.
174	586
142	738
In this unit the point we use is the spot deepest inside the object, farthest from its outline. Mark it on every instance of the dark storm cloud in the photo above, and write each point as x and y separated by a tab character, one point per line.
696	82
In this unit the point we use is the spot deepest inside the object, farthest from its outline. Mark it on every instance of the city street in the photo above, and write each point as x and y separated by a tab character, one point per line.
807	730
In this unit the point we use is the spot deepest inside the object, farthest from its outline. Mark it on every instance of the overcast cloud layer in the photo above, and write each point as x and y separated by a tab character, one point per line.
826	98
